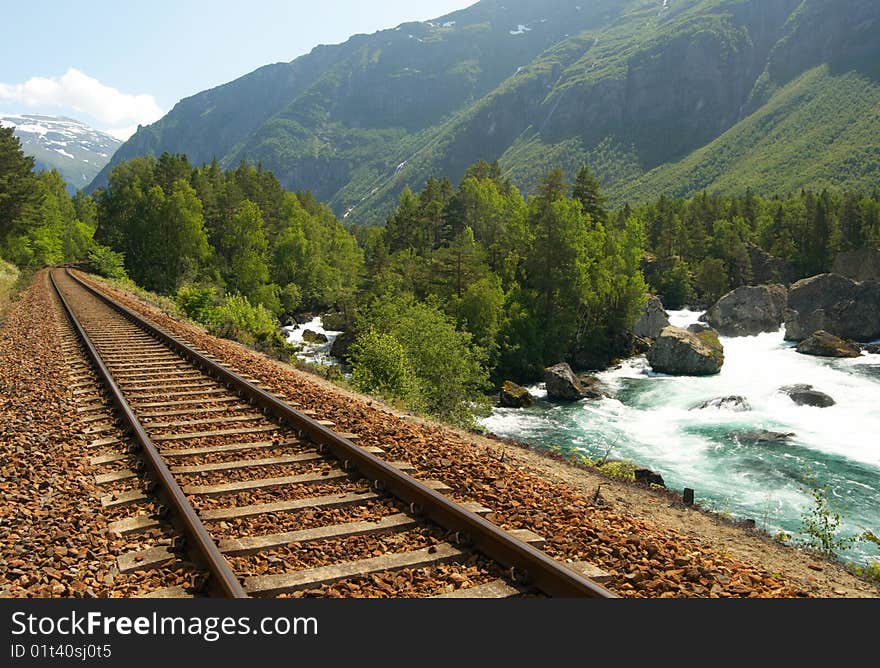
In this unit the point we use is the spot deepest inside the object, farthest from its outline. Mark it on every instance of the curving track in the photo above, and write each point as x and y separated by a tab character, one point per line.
227	490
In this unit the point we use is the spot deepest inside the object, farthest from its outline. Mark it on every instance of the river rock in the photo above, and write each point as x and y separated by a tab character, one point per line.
836	304
303	318
679	352
333	321
859	265
823	344
562	384
805	395
731	403
514	396
748	310
652	321
698	328
768	268
870	348
341	346
310	336
648	477
763	436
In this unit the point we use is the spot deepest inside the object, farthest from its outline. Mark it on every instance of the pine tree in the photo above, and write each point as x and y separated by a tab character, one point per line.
18	186
587	191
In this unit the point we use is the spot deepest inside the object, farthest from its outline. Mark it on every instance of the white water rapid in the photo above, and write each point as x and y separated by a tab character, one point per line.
651	419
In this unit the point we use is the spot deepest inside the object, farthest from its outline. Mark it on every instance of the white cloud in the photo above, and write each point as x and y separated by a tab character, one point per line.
76	93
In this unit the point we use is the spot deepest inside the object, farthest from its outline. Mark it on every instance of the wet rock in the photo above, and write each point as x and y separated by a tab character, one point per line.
652	321
698	327
514	396
805	395
594	388
639	345
341	346
870	348
823	344
679	352
563	384
649	477
748	310
859	265
310	336
763	436
835	304
733	402
303	318
334	321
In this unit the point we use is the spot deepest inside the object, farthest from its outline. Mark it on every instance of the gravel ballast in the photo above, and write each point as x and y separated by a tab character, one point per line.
54	542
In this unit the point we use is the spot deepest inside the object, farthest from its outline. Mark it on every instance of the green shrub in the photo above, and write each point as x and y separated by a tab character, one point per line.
870	572
236	318
820	524
624	469
419	340
197	302
381	366
106	262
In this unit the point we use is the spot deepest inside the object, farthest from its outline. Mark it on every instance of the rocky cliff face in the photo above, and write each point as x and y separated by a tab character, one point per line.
626	85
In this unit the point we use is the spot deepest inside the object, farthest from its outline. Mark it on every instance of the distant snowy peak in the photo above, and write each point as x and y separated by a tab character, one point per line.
77	151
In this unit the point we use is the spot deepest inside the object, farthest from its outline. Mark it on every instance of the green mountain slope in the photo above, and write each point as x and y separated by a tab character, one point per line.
819	131
656	95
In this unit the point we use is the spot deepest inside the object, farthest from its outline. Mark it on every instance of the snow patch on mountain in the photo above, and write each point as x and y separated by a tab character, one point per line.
65	144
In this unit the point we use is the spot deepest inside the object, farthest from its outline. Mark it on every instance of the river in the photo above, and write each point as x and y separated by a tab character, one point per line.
650	418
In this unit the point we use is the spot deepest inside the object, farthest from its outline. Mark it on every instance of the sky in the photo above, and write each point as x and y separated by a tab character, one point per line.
115	65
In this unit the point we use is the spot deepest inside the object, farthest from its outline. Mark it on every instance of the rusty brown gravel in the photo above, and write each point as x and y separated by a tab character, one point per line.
48	496
53	531
644	558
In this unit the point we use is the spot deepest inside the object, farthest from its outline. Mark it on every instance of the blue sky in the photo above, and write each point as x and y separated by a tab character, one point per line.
116	64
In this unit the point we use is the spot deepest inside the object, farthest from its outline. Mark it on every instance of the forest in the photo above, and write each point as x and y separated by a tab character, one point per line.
465	286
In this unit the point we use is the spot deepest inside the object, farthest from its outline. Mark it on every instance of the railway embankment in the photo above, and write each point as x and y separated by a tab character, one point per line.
54	539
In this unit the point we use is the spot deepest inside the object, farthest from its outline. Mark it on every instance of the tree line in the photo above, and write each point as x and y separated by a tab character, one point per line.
465	286
698	249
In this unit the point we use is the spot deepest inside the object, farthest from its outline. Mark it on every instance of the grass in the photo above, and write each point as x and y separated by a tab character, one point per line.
9	286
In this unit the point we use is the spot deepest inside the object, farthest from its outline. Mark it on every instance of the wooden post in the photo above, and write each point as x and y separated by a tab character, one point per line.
688	496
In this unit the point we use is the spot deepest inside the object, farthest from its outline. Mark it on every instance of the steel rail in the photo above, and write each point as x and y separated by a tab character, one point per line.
222	579
526	564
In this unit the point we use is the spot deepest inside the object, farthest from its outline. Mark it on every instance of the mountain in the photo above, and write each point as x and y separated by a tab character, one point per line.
657	96
77	151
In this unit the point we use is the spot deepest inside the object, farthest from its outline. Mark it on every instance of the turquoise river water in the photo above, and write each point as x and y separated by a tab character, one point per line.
650	418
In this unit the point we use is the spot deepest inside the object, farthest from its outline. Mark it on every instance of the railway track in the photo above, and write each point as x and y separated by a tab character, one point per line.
224	489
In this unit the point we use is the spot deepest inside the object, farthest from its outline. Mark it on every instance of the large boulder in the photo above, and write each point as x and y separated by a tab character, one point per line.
679	352
806	395
768	268
514	396
823	344
836	304
561	383
342	345
652	321
748	310
859	265
648	477
310	336
333	321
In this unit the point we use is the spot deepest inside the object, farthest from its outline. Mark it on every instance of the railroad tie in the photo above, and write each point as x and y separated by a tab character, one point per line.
282	583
